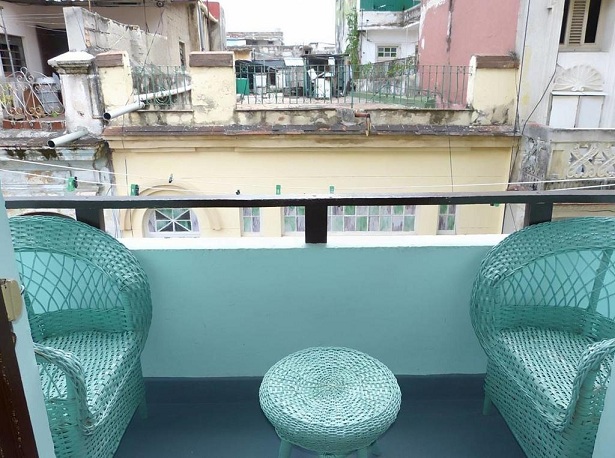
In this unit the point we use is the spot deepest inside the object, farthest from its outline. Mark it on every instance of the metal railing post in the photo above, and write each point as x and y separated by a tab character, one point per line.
93	216
536	213
316	223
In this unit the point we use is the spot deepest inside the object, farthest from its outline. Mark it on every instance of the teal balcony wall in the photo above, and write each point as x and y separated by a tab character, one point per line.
388	5
235	312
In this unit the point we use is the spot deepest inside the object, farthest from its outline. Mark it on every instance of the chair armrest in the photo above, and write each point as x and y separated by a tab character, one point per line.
63	383
589	377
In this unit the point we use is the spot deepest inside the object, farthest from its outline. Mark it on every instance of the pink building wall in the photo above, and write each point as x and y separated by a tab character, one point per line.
487	27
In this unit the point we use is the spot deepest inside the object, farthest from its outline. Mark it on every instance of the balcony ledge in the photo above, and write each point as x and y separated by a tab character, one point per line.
297	242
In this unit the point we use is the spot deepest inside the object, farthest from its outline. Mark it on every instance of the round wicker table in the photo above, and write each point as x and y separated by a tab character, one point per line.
330	400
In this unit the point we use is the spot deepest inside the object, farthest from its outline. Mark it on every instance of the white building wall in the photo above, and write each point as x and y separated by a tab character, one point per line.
543	53
20	22
405	38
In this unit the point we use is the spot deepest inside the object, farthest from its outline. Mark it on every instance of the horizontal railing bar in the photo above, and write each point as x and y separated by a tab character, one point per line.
230	201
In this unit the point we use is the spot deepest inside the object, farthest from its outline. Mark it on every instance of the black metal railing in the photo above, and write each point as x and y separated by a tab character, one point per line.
539	204
393	82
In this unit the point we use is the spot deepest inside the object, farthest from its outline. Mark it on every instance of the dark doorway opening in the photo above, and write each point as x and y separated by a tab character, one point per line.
52	43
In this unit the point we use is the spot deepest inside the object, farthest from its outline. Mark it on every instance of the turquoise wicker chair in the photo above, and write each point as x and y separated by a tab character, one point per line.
542	307
89	307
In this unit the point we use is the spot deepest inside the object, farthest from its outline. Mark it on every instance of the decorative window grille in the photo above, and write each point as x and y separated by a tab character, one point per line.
172	222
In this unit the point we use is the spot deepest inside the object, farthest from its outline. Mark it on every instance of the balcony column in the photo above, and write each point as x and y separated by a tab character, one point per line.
115	75
213	87
492	89
80	101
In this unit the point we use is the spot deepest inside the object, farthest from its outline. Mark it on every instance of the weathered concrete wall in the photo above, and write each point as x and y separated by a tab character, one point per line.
47	170
492	90
95	33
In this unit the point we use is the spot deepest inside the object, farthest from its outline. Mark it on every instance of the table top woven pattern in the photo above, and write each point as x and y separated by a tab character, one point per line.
330	399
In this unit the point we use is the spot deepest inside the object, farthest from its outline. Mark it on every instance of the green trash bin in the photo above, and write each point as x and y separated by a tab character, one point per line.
242	87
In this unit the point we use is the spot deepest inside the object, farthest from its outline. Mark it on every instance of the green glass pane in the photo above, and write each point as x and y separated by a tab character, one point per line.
385	223
443	209
409	223
179	213
451	223
256	211
290	224
247	225
337	223
185	225
184	217
165	212
374	210
398	209
361	223
300	211
179	228
349	210
161	225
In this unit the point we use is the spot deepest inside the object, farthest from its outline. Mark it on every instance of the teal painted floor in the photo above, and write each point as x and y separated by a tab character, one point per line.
439	417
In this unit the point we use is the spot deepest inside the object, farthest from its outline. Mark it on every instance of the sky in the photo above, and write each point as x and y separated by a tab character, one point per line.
301	22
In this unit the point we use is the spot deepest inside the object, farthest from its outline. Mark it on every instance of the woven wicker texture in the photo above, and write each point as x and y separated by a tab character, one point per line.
330	400
89	309
543	308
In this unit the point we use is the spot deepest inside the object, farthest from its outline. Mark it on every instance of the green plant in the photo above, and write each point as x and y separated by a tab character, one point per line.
354	40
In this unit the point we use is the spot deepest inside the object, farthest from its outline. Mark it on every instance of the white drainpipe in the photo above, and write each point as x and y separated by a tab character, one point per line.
66	138
140	103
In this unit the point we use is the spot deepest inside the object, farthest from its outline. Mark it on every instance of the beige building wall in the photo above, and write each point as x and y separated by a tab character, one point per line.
310	164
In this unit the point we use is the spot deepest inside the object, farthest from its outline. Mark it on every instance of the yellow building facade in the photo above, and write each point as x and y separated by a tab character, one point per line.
219	149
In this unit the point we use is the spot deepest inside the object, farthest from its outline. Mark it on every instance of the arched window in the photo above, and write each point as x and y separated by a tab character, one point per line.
172	222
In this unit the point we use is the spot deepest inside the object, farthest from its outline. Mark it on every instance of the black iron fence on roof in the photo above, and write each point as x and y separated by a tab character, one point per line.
394	82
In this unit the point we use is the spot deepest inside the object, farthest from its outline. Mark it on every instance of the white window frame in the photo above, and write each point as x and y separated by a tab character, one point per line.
385	58
150	224
253	216
577	12
447	213
377	215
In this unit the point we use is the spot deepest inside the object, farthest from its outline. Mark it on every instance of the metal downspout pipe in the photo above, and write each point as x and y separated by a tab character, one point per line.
140	103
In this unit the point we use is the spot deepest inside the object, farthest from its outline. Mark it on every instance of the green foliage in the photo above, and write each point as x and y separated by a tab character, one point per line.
354	40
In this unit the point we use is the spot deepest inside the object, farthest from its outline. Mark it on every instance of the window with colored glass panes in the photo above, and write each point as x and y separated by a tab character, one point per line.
251	220
363	218
447	215
294	219
172	222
